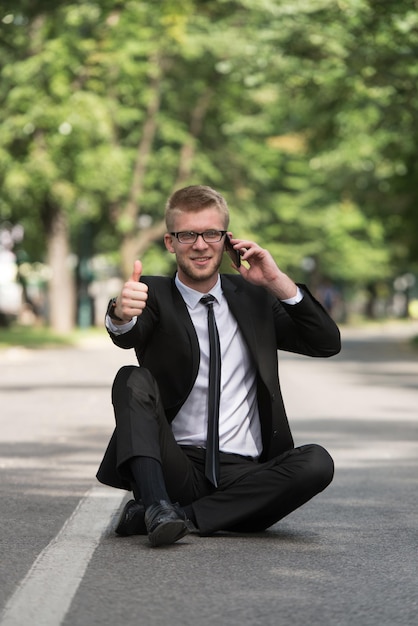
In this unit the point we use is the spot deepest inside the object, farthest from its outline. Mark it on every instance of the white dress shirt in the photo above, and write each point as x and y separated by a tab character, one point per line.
239	424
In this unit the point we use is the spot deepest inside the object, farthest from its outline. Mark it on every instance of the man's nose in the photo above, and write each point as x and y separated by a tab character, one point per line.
200	242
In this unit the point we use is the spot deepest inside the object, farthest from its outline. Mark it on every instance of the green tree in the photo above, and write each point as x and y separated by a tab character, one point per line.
302	113
357	67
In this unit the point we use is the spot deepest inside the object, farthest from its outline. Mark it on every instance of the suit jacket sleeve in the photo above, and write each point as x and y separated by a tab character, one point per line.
306	328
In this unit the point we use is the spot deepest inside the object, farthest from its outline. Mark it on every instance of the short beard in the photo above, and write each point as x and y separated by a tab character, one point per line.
197	276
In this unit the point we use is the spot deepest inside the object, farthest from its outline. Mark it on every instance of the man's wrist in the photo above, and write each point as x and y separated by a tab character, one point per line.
283	287
111	311
119	328
294	299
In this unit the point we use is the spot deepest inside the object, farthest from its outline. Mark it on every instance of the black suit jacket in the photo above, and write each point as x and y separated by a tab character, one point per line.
166	343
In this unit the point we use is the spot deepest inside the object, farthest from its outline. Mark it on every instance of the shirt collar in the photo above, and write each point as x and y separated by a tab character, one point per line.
192	297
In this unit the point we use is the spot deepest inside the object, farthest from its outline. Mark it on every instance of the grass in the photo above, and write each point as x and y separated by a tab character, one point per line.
39	337
34	337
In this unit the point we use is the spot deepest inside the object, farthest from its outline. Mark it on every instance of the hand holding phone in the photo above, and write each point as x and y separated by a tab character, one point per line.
230	250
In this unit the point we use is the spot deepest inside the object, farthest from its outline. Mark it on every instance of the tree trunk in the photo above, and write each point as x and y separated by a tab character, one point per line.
132	208
135	243
62	300
188	149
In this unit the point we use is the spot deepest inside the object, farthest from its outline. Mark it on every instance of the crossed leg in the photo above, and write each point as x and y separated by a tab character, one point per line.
251	496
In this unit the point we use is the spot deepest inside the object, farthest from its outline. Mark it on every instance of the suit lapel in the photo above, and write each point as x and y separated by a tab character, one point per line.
241	307
183	317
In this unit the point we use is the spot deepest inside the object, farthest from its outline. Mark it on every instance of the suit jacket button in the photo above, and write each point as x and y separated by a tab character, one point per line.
275	434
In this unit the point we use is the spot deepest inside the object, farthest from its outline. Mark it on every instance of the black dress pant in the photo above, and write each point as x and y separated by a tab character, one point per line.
251	496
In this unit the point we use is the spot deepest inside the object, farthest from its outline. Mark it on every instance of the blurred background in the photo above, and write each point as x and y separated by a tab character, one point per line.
302	113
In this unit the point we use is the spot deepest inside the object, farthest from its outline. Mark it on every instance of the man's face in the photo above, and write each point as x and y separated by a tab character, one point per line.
197	263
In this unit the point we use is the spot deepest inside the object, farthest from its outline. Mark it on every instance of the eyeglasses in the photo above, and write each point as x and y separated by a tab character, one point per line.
209	236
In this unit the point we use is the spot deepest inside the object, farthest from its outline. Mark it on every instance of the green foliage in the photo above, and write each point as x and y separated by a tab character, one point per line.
302	113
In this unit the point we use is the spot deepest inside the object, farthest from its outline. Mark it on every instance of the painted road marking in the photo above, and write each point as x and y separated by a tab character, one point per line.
45	594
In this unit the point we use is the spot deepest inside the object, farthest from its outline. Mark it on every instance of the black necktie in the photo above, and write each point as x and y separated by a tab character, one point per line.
212	442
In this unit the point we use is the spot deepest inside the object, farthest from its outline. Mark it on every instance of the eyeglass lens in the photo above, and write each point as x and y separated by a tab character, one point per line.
209	236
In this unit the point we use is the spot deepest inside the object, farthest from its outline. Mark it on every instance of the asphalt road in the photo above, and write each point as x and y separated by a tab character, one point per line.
349	557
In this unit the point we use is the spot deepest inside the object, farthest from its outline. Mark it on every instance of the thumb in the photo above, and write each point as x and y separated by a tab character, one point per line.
137	271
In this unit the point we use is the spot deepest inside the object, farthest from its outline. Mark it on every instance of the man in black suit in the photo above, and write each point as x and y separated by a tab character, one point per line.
251	476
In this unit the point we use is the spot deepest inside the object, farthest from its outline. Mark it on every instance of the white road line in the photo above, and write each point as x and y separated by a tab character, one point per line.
45	594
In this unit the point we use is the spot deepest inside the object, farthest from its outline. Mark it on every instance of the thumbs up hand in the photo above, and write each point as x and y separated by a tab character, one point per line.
133	298
136	272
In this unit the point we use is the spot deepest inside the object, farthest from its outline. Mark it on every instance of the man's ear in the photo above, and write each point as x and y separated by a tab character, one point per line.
168	242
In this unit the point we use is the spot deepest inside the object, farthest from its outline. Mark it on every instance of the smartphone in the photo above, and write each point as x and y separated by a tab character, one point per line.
230	250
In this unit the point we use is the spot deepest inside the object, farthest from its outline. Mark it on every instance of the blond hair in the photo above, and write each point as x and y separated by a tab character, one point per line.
193	199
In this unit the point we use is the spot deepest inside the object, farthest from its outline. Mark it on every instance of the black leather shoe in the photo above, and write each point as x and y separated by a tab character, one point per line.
131	520
166	523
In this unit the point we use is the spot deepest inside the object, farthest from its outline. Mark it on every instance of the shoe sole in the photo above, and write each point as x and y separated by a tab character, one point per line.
168	532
